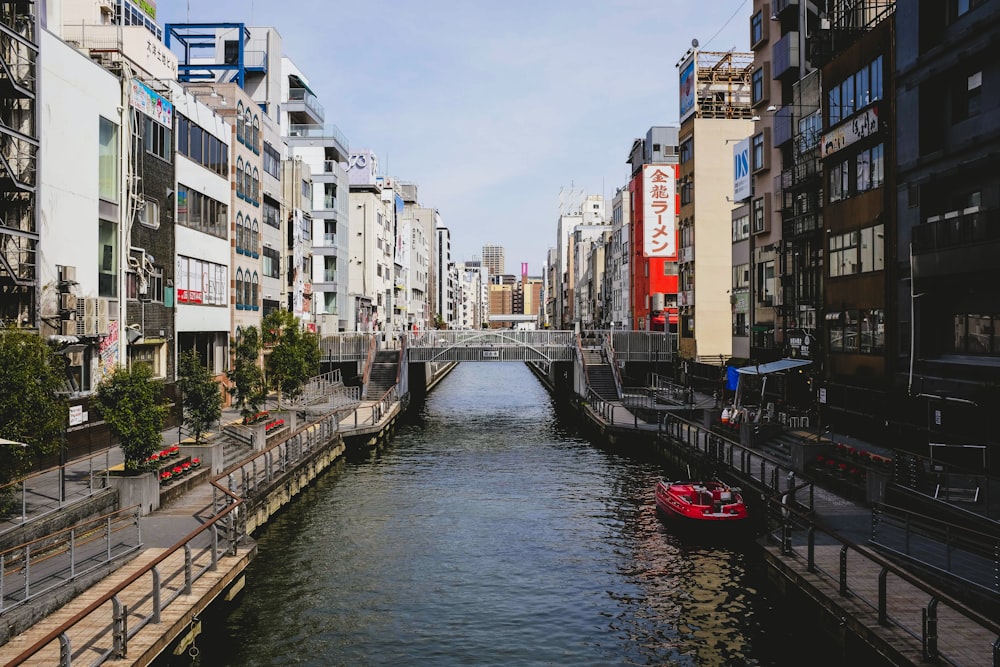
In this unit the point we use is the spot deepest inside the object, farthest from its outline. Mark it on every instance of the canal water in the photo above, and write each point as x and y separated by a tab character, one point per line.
487	532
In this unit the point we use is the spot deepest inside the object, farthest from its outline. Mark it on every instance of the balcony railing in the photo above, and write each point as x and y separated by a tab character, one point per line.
962	228
311	131
303	95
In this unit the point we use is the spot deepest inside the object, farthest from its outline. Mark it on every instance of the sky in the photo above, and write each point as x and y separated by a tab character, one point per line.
496	110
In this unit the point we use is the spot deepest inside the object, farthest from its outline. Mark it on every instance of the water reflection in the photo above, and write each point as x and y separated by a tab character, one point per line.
487	534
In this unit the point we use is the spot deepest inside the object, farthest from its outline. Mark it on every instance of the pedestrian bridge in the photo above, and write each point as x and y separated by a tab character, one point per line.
492	345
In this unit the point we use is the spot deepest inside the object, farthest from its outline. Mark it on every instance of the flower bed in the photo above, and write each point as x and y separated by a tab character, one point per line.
273	425
255	419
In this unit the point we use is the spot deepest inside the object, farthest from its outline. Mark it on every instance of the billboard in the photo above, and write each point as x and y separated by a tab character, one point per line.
741	171
659	209
687	88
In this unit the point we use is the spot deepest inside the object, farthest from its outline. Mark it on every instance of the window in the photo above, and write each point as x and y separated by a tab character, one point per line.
844	254
833	104
872	249
107	161
254	238
765	282
687	150
107	259
757	86
857	331
240	187
157	138
201	147
959	8
758	215
254	291
272	161
239	122
239	289
966	96
976	333
687	191
271	216
271	263
255	134
149	213
201	212
757	152
255	187
840	186
239	232
756	28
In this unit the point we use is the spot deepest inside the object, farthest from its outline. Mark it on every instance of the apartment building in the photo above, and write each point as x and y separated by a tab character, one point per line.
714	112
652	205
947	198
371	245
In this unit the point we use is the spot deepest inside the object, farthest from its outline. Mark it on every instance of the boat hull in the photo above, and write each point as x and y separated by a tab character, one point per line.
707	504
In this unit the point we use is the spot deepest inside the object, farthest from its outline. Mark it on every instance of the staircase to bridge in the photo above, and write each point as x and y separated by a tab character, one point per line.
384	372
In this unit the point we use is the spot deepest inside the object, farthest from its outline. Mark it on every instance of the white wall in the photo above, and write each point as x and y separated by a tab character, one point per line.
75	93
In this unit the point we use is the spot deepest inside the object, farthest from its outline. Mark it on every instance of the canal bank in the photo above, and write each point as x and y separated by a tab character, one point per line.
815	544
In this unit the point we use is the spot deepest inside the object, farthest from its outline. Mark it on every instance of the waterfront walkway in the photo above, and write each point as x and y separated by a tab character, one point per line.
822	547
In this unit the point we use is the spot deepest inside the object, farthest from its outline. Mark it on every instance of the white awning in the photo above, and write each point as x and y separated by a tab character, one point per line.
773	366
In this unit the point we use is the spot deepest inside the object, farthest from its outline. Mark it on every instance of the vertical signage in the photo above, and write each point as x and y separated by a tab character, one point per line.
659	210
741	171
687	86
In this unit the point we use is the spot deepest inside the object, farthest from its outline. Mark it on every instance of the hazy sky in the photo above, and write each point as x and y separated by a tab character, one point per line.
492	106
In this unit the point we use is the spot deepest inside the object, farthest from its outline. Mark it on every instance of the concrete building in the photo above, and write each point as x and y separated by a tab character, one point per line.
946	322
79	242
445	287
653	245
715	109
617	271
370	247
573	213
493	259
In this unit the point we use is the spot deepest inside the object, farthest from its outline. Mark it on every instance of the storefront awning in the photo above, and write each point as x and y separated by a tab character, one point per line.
773	366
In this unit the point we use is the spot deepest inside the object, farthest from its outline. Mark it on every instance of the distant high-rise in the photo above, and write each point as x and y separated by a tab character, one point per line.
493	259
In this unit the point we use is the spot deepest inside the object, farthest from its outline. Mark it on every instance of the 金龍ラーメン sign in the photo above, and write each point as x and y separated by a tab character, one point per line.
659	211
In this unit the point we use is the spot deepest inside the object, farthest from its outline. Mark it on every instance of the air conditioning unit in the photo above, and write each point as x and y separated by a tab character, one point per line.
102	317
69	327
90	307
68	274
75	358
67	302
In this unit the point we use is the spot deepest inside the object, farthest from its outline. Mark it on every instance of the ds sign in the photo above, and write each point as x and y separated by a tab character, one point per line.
741	170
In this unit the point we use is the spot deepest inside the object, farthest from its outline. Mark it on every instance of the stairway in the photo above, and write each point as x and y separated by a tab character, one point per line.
600	375
385	368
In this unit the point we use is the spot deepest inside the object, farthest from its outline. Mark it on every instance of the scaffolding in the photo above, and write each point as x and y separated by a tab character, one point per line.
723	84
18	164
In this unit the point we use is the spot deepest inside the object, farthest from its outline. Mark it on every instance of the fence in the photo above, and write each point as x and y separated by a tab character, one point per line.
46	492
31	569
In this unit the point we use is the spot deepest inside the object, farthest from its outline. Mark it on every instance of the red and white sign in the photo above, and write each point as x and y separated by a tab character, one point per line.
659	210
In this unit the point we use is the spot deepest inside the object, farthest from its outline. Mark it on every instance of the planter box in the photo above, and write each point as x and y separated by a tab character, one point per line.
141	489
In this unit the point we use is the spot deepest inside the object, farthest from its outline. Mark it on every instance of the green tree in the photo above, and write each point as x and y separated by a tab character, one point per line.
31	410
202	398
130	404
294	356
246	376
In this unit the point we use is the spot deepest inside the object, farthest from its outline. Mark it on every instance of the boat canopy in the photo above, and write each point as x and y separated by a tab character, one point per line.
773	366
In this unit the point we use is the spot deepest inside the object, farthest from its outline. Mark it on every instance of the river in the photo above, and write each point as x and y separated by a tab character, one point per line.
487	532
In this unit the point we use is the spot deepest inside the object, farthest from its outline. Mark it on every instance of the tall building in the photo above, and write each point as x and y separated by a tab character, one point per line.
947	336
652	206
715	110
493	259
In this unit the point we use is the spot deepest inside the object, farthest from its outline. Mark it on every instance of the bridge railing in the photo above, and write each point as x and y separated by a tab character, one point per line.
643	345
348	346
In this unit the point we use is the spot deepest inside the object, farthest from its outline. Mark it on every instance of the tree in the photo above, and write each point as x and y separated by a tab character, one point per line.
246	376
201	397
129	402
294	357
31	410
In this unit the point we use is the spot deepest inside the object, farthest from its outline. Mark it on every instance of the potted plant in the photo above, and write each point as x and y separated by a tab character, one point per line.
195	462
165	477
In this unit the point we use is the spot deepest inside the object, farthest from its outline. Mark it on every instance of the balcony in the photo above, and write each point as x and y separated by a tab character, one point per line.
779	7
956	243
301	101
784	123
308	134
785	56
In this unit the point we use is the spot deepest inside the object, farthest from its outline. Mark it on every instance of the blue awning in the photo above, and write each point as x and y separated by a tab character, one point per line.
773	366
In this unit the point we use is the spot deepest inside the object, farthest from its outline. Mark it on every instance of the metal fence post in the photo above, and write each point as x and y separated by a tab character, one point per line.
65	651
156	594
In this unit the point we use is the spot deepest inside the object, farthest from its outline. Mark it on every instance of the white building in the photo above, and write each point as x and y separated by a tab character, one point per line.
80	209
617	282
202	275
371	245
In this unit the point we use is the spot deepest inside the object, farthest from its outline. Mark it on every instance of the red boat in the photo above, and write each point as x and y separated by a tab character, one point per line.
700	503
